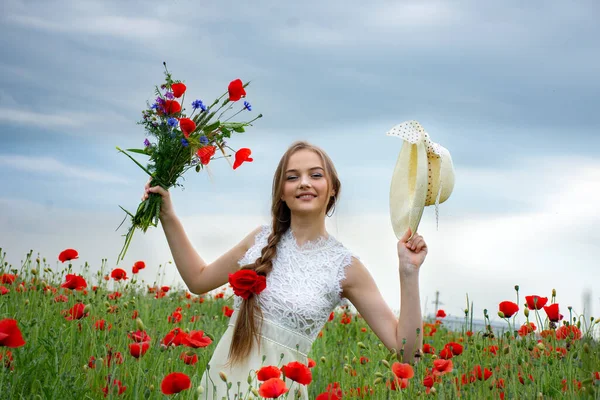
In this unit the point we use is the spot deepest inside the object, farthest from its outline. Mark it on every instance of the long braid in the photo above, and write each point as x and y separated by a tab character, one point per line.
248	325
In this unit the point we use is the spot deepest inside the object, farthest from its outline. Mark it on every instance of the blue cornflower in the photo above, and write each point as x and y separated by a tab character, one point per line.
154	106
203	139
184	142
247	106
146	143
198	104
169	95
172	121
160	100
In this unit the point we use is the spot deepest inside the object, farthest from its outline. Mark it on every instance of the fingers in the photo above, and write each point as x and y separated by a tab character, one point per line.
154	189
416	244
406	235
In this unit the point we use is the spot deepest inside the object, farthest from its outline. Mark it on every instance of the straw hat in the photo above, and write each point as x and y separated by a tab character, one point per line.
423	176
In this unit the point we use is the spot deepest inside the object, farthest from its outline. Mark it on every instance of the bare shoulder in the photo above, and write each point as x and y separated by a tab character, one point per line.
355	272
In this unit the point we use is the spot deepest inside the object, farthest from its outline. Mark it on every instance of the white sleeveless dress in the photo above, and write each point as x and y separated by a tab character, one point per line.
303	288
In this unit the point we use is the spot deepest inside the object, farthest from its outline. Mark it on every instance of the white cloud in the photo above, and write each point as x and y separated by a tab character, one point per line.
103	25
30	118
49	165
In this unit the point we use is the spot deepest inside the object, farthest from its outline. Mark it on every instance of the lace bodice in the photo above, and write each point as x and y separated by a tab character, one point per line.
304	285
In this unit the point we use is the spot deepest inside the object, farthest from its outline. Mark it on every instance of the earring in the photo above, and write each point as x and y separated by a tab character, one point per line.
332	208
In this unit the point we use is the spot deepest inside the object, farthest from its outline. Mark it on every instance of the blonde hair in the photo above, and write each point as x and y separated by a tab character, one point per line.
246	329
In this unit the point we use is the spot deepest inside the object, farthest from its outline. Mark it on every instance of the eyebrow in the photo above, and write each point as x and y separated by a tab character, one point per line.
295	170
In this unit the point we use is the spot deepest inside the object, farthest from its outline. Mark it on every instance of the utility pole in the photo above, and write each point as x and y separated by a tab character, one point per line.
437	302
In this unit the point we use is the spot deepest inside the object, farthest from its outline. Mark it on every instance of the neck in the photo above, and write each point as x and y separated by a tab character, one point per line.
308	228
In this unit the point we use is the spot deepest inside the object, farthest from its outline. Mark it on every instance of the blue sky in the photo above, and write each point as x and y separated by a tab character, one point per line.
510	89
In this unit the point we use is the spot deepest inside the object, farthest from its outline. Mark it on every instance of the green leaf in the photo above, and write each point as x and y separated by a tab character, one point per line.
239	129
226	132
212	127
139	151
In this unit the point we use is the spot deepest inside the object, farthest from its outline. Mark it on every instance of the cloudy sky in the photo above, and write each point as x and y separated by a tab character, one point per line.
510	89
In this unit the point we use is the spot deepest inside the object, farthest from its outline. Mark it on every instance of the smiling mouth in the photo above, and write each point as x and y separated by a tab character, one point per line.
306	196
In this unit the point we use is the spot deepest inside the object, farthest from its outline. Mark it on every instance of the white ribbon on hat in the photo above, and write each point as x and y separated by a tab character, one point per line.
410	131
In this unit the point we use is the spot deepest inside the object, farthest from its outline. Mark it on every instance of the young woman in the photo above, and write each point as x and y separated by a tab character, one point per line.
307	272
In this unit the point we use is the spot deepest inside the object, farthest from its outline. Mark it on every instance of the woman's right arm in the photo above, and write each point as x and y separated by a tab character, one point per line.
198	276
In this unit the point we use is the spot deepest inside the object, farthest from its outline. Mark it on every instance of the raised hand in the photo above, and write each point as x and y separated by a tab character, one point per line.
166	208
411	253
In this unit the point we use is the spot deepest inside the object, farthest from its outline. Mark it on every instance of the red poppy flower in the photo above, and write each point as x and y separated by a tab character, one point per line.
297	372
175	337
74	282
236	90
526	329
403	371
10	335
482	375
139	336
428	349
175	382
187	126
117	387
428	381
536	302
75	312
508	308
138	349
228	312
164	289
118	273
4	290
196	339
175	317
456	348
189	358
242	155
397	384
268	372
101	325
205	153
552	312
140	265
345	319
329	396
171	107
441	367
446	353
566	331
8	278
440	314
178	89
68	255
272	388
247	281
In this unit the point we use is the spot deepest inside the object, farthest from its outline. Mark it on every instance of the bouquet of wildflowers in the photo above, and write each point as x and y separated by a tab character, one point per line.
183	142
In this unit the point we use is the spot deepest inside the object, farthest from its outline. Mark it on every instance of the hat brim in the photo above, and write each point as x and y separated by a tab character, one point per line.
408	188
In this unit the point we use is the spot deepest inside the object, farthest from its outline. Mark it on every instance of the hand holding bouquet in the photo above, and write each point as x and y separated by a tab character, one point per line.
183	142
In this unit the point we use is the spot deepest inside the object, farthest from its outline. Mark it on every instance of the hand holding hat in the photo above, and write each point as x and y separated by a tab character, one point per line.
423	176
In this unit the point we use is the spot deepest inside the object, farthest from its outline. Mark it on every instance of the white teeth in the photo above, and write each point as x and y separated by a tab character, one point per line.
307	196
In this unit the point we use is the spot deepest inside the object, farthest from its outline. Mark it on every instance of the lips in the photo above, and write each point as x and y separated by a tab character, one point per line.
306	194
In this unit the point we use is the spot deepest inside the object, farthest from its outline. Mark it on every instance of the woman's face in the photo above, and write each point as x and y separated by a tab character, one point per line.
306	188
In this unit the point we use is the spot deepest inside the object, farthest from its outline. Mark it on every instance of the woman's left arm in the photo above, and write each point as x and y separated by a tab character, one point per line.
361	290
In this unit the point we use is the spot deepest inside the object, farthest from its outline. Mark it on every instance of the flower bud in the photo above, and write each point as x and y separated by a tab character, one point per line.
540	346
553	292
151	388
323	359
87	308
107	304
140	324
223	376
26	302
377	381
526	312
200	390
255	392
517	288
501	314
354	360
379	374
386	363
34	271
361	345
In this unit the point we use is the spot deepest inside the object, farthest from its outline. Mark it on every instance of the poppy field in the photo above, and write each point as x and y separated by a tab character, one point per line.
69	333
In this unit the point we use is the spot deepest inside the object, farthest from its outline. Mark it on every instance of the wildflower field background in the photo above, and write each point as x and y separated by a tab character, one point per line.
68	333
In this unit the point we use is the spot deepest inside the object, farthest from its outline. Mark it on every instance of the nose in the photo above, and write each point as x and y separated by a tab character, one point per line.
304	181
